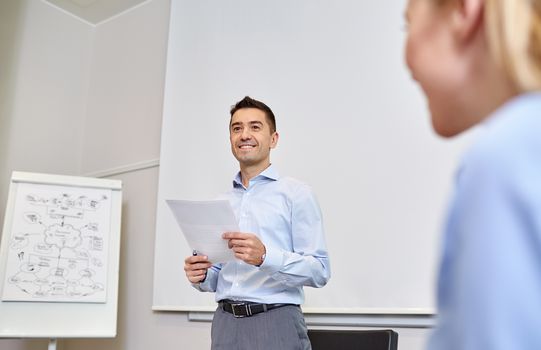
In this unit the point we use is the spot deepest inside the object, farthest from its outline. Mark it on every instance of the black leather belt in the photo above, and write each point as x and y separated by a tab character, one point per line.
246	309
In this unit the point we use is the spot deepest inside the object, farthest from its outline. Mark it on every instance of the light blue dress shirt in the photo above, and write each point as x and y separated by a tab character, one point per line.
285	215
489	292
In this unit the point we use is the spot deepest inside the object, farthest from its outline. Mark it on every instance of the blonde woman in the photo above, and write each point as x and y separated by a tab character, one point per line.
479	63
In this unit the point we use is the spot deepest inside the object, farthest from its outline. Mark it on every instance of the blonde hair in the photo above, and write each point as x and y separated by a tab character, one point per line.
514	34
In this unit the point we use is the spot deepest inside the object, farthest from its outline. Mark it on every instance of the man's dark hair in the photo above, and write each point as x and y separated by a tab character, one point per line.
248	102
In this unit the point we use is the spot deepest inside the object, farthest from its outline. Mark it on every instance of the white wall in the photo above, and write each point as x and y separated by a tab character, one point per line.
44	70
44	77
125	96
10	42
61	82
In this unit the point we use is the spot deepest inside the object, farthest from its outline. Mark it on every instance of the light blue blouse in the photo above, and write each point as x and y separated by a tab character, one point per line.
285	215
489	292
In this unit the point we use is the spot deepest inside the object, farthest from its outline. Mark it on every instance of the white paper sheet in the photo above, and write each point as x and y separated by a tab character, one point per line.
203	223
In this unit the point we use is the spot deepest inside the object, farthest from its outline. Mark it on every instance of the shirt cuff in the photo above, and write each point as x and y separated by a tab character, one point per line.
273	261
209	283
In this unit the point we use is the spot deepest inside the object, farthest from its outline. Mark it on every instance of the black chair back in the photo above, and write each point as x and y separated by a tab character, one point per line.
384	339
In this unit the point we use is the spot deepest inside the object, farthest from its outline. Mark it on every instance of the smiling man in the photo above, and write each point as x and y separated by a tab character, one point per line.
280	250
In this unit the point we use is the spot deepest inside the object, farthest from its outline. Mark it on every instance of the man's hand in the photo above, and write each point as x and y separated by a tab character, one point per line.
196	268
247	247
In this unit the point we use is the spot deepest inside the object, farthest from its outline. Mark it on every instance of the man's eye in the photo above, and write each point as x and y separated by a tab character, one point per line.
236	129
256	127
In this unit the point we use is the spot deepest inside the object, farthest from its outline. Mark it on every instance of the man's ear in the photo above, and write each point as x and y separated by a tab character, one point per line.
274	139
467	18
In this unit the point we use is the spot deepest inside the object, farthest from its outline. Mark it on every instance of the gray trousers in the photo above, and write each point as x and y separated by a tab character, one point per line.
278	329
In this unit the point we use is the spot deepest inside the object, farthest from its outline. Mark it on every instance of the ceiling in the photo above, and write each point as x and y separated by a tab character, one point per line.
95	11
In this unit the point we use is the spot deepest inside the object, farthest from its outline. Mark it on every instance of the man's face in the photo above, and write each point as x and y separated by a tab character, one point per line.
251	137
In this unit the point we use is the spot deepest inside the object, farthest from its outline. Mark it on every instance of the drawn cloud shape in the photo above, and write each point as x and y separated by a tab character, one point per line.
63	236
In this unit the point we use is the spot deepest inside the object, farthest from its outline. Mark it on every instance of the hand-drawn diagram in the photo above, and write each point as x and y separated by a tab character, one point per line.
59	244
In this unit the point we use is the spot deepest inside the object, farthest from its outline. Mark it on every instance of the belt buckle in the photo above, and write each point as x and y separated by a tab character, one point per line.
246	308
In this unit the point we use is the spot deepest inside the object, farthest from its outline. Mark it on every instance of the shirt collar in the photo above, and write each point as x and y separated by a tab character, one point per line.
270	173
525	103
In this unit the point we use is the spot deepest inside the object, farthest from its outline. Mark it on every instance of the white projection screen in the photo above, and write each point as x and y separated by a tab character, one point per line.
352	124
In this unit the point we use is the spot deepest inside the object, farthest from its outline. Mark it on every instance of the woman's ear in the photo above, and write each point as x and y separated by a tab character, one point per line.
467	18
